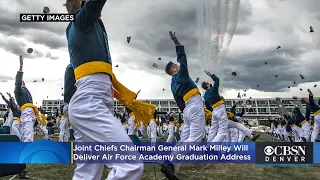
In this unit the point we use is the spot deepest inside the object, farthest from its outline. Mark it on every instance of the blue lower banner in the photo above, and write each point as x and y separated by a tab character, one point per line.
316	153
261	153
38	152
50	152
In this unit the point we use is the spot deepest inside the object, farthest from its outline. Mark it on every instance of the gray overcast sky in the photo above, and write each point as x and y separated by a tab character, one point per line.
262	26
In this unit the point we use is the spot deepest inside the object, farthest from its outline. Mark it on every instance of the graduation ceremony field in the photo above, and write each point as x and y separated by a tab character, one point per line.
160	89
190	171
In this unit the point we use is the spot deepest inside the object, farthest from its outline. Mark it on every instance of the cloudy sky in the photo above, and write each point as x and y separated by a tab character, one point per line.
262	26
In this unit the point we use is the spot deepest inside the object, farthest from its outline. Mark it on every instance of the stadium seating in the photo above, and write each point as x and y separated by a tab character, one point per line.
10	169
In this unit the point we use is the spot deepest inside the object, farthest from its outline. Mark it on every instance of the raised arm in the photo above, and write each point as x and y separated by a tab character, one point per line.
296	107
298	111
181	55
12	104
308	111
216	83
89	14
311	100
299	114
19	76
5	99
182	59
215	87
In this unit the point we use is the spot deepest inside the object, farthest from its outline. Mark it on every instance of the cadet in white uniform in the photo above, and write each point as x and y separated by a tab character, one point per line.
15	113
64	131
132	130
171	130
234	123
305	124
188	99
241	135
92	105
315	109
42	125
215	103
177	132
142	128
208	116
29	112
153	130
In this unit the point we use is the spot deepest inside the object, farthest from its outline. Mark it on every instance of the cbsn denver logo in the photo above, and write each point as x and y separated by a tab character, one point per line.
284	153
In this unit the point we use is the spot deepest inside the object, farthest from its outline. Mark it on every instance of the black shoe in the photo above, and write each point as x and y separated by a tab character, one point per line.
255	137
23	175
168	171
169	165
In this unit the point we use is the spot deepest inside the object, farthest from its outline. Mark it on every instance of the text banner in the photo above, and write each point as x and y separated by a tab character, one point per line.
162	152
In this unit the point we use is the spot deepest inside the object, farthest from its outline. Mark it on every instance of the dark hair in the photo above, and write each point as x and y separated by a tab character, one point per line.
204	85
168	68
171	119
123	120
